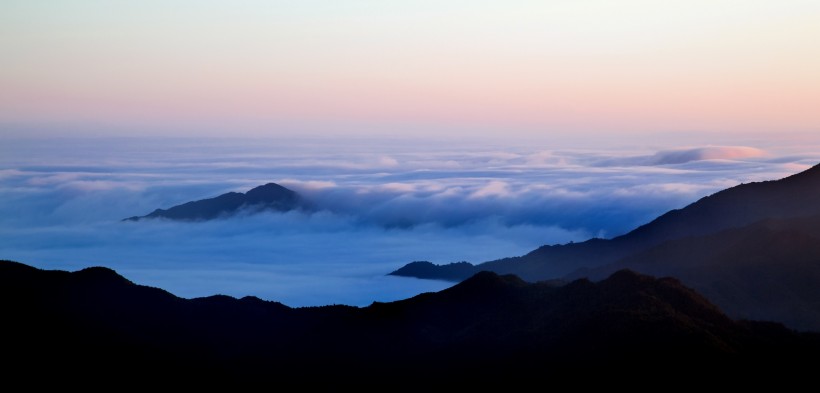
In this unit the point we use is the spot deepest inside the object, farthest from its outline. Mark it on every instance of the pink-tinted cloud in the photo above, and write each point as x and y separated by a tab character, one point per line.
693	154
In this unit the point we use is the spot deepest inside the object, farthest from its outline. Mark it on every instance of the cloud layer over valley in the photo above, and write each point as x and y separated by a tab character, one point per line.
382	204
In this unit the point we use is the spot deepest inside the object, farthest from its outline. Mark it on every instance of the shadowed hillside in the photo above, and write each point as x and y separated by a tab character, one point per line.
768	270
497	325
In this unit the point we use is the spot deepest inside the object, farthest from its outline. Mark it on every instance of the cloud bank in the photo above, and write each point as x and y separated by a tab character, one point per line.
384	203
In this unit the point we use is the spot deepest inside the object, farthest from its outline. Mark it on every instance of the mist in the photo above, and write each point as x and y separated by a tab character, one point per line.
380	204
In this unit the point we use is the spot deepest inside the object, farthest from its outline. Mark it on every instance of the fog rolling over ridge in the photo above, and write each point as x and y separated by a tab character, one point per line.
380	204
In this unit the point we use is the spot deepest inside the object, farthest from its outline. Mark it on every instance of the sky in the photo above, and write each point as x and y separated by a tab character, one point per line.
407	68
443	130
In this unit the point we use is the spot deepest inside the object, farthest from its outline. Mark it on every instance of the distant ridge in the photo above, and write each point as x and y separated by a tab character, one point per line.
270	196
794	196
753	249
769	270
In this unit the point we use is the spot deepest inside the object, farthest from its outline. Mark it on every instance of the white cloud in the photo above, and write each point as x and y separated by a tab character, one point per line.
388	161
101	185
7	173
495	188
303	186
398	187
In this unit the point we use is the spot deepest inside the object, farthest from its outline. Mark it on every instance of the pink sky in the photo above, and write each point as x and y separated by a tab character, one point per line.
386	67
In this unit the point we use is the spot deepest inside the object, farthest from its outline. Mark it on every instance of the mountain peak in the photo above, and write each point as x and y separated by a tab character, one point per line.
487	279
270	196
270	192
425	269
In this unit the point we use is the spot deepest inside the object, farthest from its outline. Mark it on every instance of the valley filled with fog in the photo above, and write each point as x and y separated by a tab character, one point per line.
381	203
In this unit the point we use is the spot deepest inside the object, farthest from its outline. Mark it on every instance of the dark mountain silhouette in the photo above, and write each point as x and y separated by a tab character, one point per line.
270	196
424	269
795	196
488	328
768	270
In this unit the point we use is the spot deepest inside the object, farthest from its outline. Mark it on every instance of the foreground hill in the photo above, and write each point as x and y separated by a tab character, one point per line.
270	196
487	328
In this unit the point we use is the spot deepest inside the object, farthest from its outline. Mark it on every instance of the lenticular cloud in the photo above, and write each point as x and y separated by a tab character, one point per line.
686	155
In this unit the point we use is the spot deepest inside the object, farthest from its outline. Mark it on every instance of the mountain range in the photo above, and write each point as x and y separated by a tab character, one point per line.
490	327
270	196
751	249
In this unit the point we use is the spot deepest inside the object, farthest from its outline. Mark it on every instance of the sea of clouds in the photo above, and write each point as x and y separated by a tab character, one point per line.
382	203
